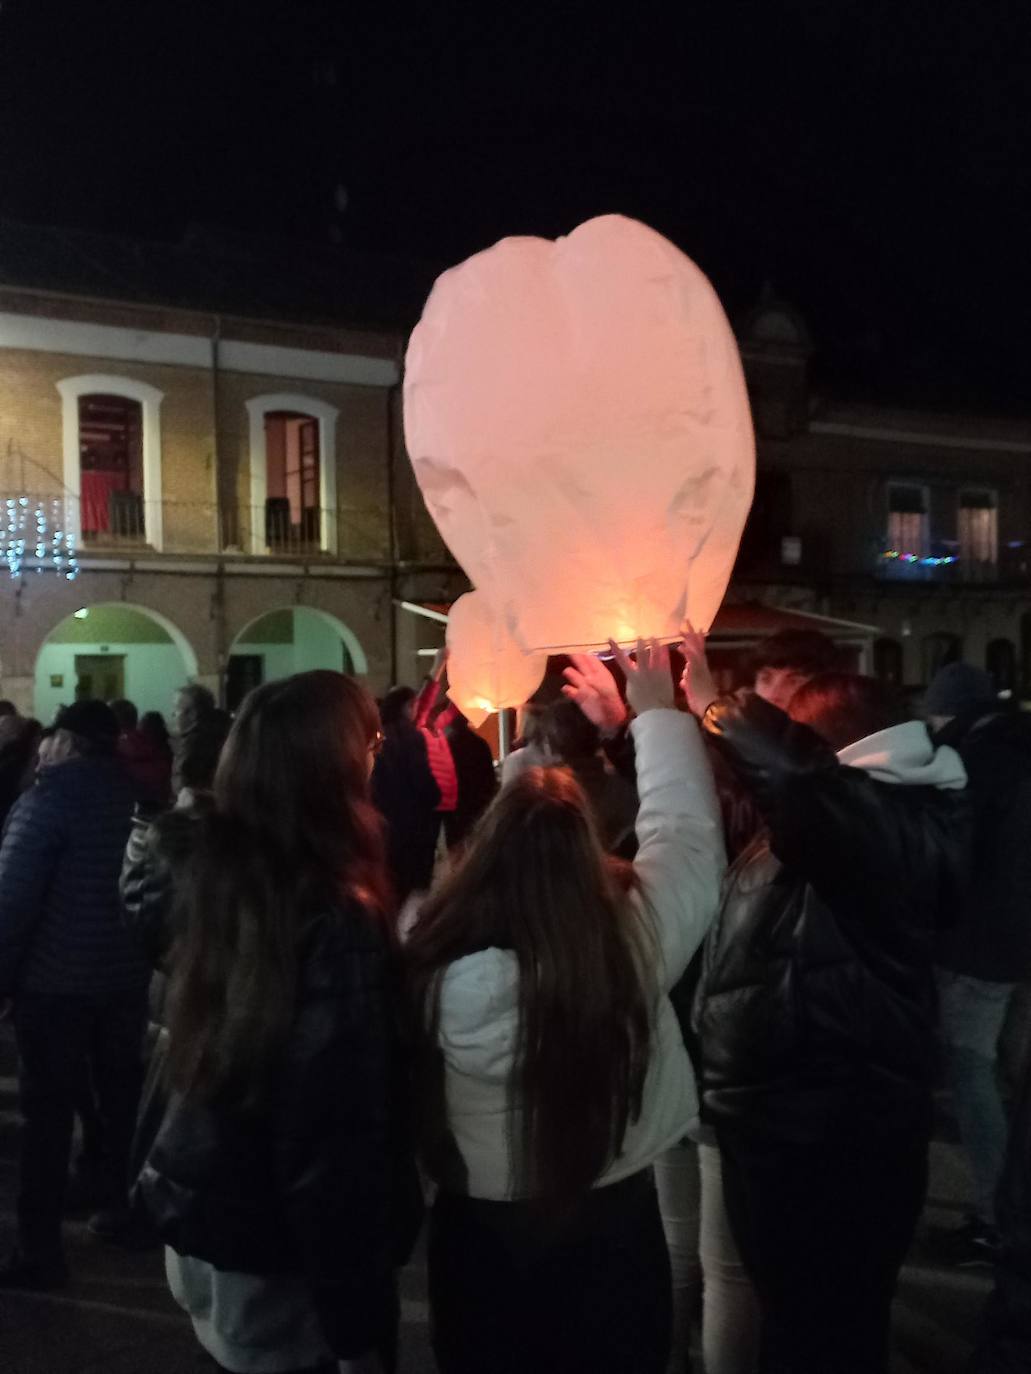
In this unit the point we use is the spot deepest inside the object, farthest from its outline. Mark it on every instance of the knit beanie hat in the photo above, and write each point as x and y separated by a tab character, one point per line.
92	722
957	688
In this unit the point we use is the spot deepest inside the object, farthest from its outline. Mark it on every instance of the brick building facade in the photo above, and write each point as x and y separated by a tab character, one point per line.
917	522
180	521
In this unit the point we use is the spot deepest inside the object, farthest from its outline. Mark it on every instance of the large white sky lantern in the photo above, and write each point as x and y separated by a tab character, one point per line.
486	669
577	418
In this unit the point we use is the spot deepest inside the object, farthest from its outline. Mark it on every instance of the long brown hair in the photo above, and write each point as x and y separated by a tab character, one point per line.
536	881
293	836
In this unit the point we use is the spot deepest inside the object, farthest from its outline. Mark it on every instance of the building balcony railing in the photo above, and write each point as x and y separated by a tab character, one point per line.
52	526
946	564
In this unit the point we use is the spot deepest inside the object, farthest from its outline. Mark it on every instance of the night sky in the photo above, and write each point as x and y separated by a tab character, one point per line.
869	160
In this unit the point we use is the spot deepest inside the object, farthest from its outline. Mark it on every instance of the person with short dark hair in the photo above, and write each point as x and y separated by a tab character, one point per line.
152	723
774	669
783	662
125	713
987	952
76	978
816	1009
7	708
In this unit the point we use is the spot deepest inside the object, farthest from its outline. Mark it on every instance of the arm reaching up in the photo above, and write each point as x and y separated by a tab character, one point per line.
681	859
697	681
649	683
590	684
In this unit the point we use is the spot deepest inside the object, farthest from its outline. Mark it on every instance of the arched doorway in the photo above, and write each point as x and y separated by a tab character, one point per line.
113	650
293	639
1001	663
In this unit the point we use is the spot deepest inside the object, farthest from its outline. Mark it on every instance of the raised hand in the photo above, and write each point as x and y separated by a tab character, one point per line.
649	682
440	659
590	684
697	681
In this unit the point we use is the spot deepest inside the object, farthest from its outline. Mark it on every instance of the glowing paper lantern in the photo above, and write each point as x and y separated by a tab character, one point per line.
487	671
578	423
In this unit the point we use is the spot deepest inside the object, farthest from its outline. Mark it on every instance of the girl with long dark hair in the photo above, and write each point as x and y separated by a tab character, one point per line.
552	1066
277	1176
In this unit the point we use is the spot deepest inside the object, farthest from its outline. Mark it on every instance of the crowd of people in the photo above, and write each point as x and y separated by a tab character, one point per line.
650	1019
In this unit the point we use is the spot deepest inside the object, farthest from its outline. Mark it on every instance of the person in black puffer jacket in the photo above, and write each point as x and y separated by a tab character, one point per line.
816	1009
280	1178
77	978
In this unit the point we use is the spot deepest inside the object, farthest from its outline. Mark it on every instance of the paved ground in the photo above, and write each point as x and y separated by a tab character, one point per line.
117	1318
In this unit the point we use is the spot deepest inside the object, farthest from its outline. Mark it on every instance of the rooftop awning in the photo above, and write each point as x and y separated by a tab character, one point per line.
736	623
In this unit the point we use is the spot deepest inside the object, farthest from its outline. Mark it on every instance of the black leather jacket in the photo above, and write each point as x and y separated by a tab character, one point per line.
319	1182
816	1009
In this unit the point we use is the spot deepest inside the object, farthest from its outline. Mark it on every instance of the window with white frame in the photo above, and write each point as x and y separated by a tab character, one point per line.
978	526
293	473
909	530
112	458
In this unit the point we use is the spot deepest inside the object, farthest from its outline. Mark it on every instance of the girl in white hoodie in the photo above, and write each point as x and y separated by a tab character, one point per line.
553	1072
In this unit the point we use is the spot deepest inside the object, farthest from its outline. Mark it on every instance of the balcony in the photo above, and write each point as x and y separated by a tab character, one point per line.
944	565
53	529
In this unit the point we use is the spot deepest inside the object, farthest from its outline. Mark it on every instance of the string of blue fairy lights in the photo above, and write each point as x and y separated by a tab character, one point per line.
43	524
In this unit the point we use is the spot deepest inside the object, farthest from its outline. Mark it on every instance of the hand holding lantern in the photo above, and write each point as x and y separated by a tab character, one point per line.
590	684
649	682
697	680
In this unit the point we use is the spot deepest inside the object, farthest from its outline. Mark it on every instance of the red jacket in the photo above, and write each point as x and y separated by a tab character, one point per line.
438	751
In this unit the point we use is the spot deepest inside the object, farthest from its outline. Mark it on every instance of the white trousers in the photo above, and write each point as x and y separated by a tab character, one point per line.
707	1269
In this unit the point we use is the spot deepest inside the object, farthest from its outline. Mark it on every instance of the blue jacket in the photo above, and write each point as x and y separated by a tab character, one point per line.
61	930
